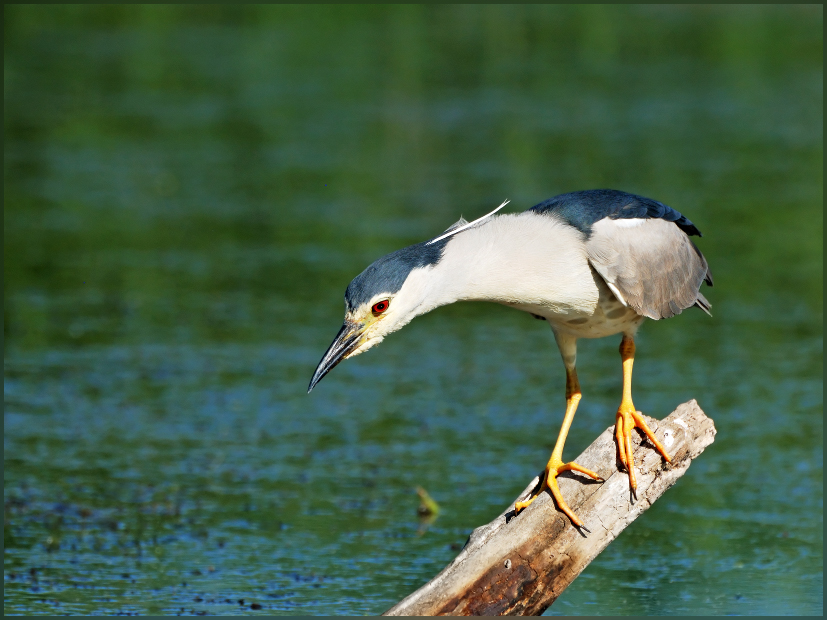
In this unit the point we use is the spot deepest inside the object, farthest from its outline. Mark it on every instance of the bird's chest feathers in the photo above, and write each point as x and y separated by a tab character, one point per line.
525	261
608	317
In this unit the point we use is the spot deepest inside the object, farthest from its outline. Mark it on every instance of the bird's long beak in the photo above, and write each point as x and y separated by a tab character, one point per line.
346	341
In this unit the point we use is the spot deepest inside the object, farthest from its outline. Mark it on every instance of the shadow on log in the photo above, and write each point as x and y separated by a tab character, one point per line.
518	565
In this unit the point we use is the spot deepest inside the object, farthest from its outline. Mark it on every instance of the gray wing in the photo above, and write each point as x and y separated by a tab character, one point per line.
651	265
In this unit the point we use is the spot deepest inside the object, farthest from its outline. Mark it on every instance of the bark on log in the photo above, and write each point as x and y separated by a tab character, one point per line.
520	565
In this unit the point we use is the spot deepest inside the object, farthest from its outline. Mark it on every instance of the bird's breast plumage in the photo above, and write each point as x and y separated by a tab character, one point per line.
608	317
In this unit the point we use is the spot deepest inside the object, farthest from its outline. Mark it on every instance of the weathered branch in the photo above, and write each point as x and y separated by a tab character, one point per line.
520	565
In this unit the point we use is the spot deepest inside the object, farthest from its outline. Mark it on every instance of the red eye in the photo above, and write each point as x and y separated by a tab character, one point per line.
380	306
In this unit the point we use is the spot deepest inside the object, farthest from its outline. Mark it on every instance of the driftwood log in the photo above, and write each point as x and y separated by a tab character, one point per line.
518	565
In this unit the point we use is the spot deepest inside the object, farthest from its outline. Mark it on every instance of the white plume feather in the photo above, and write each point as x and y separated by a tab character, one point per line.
468	225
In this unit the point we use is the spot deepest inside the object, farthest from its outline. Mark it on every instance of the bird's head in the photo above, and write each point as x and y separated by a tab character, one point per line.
389	293
382	299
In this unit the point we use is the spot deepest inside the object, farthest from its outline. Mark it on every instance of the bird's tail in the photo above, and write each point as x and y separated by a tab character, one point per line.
703	303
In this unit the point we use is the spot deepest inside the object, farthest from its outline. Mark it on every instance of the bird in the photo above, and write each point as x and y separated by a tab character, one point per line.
592	264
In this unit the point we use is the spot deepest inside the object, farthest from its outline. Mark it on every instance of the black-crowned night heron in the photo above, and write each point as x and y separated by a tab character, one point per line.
593	264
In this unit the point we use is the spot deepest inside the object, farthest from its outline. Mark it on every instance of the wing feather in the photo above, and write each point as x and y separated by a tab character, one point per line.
655	266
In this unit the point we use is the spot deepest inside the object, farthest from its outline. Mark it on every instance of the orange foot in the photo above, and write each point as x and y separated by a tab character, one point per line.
553	469
627	419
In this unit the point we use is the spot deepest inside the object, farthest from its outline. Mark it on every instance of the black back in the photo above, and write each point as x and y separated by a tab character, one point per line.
582	209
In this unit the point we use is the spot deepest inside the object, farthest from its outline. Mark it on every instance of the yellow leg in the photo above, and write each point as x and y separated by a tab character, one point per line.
628	417
555	464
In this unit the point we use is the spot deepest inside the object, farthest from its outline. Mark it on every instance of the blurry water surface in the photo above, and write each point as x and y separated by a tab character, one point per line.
189	190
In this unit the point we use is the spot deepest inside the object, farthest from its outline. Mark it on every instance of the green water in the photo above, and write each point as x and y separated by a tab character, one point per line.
187	193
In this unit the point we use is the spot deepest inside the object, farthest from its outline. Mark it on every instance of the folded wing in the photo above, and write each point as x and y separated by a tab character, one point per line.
651	265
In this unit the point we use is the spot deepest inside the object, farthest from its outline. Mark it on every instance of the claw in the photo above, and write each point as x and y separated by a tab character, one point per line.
554	468
619	437
627	419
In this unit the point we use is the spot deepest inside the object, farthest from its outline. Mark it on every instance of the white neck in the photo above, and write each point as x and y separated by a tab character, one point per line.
526	260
